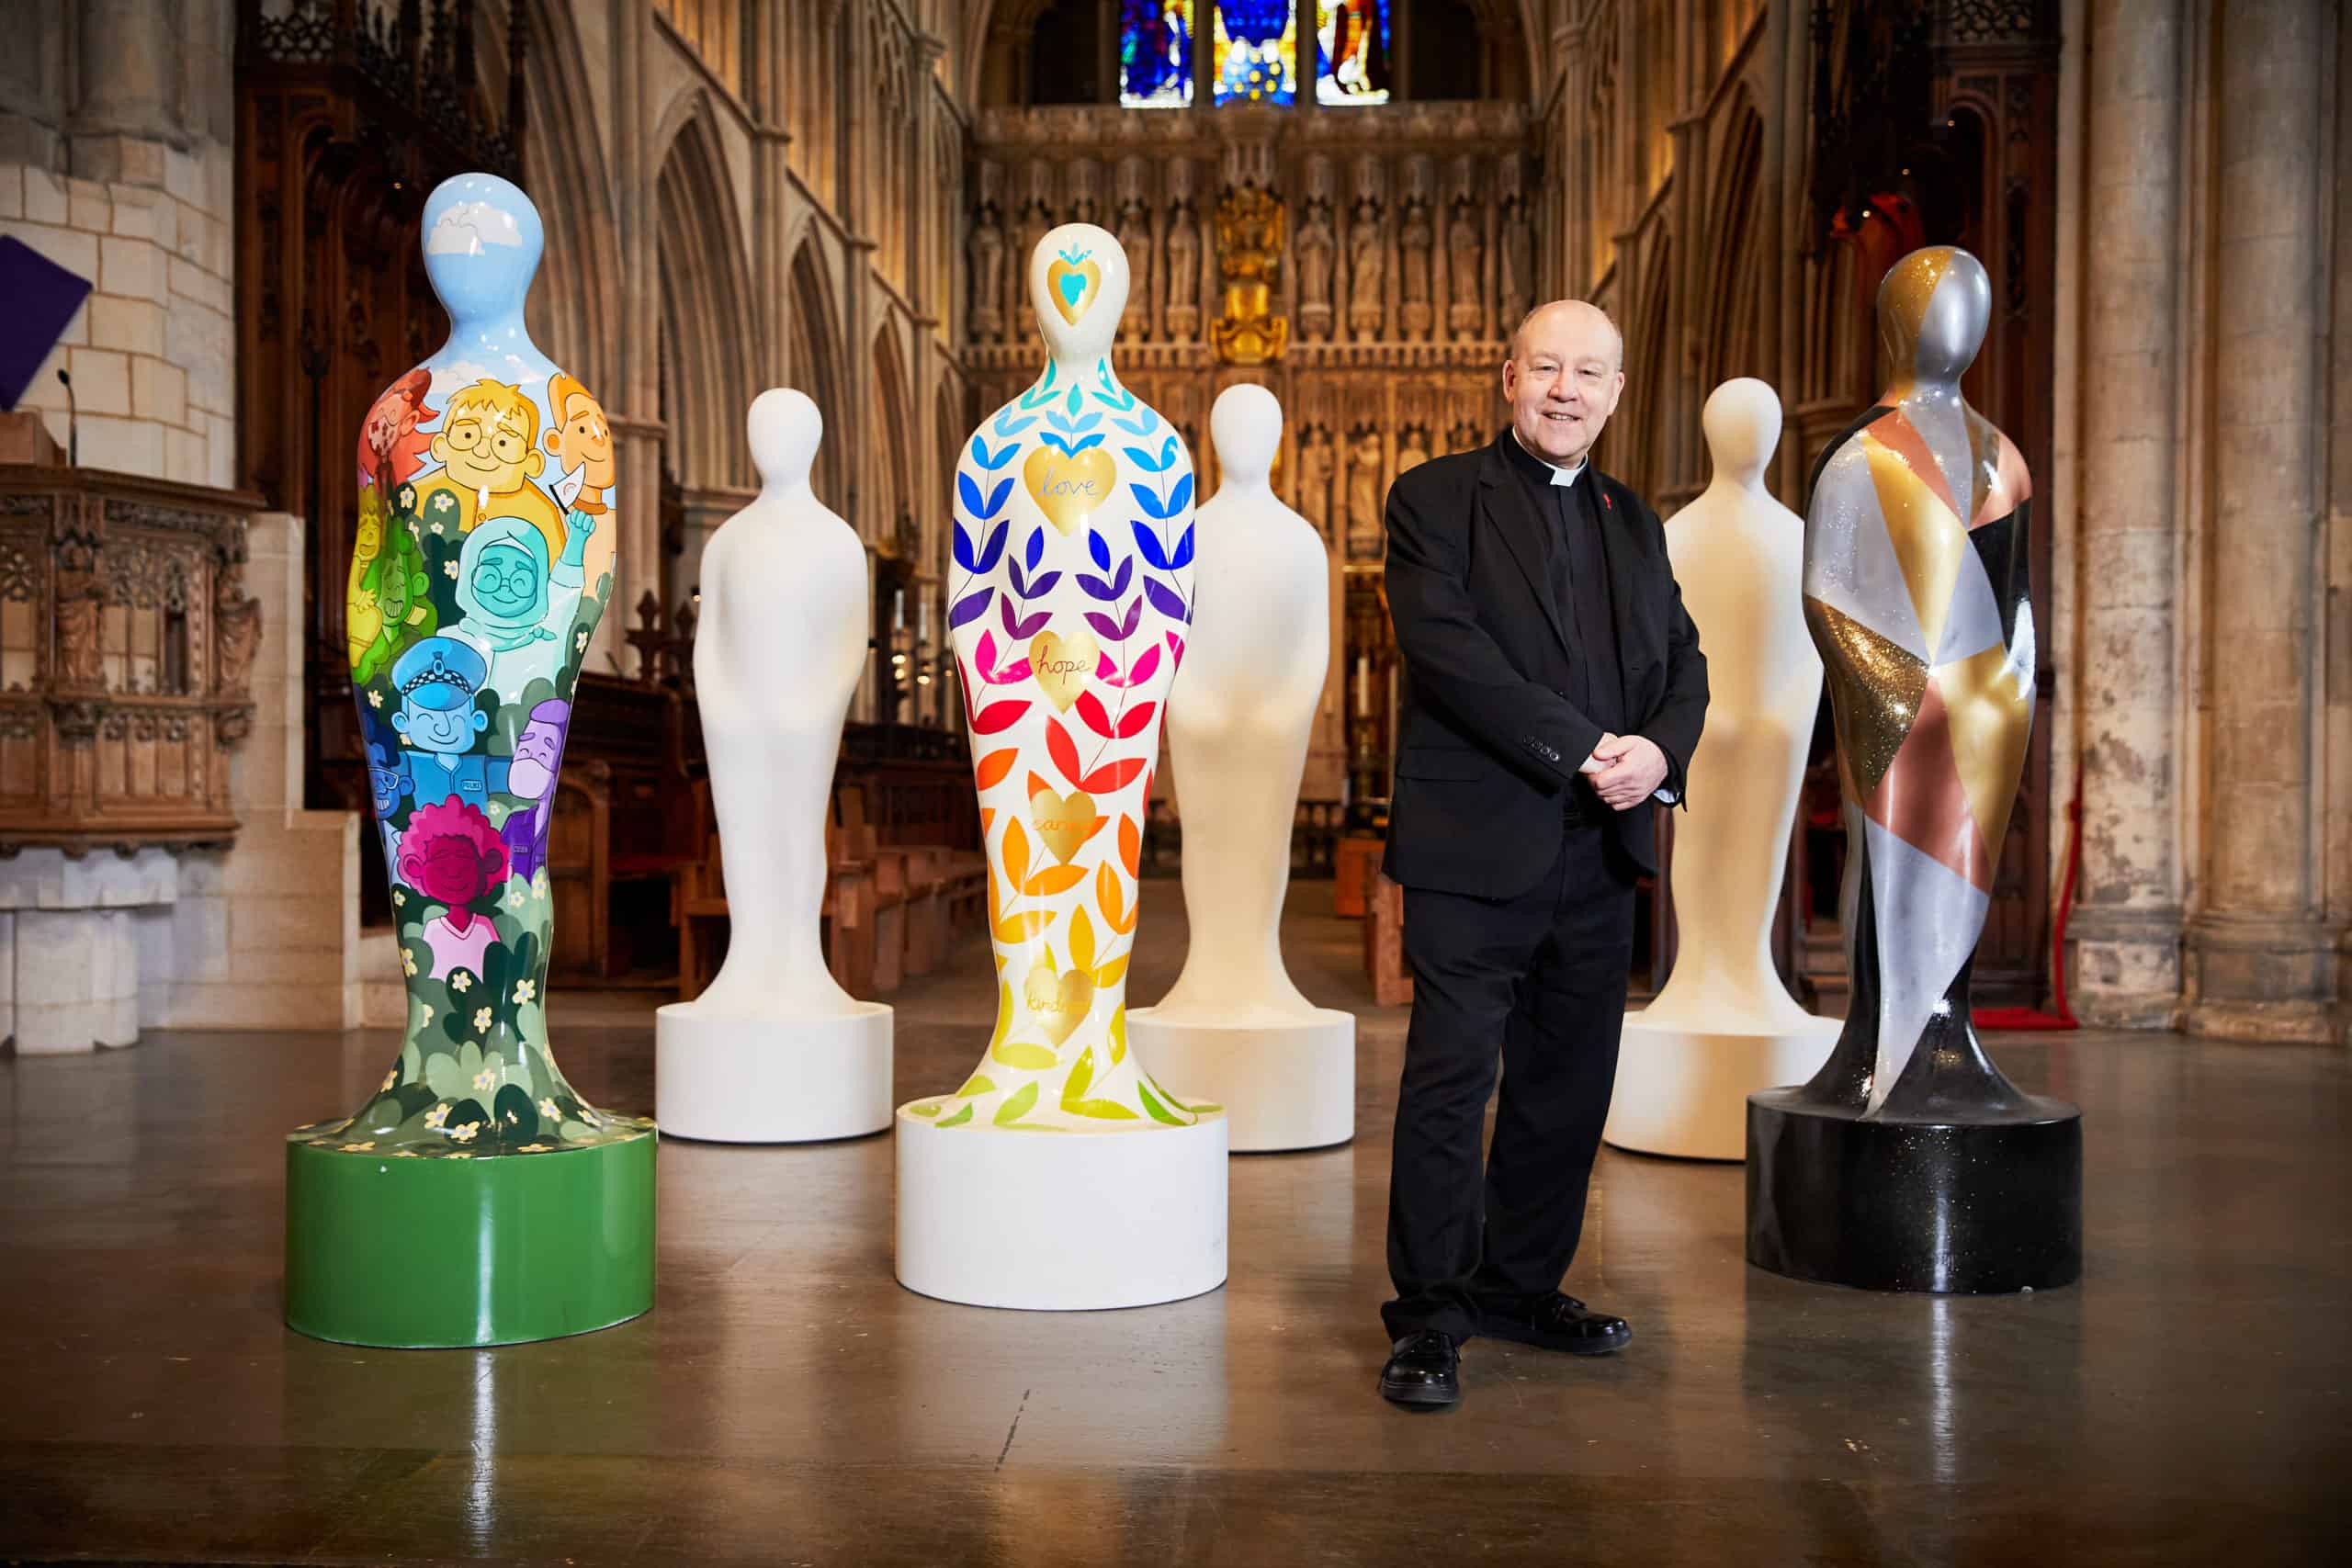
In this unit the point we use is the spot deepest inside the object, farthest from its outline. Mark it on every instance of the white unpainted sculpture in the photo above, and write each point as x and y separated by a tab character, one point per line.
775	1051
1725	1025
1233	1029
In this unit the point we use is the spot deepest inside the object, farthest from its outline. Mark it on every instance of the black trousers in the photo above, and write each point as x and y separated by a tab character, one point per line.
1540	981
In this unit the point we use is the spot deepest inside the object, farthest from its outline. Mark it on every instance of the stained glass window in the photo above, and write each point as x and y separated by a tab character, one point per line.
1256	51
1352	57
1156	53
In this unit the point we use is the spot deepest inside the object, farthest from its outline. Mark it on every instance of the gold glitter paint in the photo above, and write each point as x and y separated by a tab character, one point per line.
1990	712
1902	305
1874	692
1926	535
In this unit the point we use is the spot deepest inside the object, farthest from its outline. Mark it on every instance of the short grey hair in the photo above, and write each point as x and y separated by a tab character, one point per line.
1614	331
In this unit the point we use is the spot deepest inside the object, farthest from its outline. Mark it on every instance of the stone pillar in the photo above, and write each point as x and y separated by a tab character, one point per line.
2261	959
2126	928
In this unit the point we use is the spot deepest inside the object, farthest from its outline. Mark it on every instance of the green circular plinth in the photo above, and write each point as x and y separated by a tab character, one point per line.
420	1253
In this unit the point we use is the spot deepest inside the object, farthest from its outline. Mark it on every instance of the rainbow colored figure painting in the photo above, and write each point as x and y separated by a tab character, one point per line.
1352	51
481	567
1156	54
1256	51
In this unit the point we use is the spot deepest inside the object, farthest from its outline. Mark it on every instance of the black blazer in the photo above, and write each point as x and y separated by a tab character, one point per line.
1486	740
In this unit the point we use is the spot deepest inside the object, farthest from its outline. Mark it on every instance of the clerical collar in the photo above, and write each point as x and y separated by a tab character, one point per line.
1537	470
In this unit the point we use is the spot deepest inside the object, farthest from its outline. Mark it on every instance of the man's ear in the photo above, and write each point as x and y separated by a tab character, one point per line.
553	441
439	448
531	470
399	722
482	721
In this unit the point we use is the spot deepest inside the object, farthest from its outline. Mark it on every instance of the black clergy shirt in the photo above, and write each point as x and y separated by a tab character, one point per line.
1575	554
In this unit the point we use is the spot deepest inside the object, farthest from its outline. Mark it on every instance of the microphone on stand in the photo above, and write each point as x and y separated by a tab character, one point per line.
73	422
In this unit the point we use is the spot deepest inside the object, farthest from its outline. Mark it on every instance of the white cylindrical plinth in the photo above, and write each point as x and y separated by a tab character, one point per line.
1285	1086
1060	1221
734	1080
1684	1091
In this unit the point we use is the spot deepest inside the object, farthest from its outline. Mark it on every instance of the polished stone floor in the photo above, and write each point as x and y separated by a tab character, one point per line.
786	1402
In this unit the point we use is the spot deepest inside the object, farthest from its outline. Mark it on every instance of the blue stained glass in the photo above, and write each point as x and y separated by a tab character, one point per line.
1154	53
1351	59
1256	51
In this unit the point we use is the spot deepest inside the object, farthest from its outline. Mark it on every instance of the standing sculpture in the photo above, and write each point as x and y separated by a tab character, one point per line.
1233	1028
1909	1161
1070	610
1367	254
475	1198
775	1051
1364	494
1725	1025
1315	463
1181	313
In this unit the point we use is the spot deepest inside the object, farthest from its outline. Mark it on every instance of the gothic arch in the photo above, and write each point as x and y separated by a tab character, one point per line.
893	441
814	363
564	170
709	341
1730	296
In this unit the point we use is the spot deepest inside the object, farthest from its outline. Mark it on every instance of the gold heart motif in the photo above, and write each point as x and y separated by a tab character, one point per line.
1063	665
1073	288
1064	821
1067	489
1060	1003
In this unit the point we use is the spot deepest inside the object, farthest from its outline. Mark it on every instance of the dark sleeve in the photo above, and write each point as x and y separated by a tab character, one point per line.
1680	718
1452	660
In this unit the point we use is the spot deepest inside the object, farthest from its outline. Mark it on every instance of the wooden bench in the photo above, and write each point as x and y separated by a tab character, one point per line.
1383	944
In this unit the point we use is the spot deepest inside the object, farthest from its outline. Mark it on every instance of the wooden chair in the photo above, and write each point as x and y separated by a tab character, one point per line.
889	900
1354	867
1383	944
698	903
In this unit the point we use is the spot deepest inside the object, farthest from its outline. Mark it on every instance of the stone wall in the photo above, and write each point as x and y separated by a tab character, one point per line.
116	162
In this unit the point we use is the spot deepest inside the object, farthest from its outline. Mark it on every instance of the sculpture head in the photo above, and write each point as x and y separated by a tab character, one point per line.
436	679
1933	308
1246	423
1565	373
502	580
1078	284
482	239
786	426
1742	422
450	853
487	436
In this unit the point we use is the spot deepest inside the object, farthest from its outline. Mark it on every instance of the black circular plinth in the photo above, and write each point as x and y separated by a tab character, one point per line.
1966	1207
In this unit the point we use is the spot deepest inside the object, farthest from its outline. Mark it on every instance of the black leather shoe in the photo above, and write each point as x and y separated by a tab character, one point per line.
1425	1368
1556	1322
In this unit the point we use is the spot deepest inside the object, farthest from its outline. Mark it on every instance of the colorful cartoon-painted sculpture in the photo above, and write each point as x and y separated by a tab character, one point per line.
475	1198
1071	602
1909	1161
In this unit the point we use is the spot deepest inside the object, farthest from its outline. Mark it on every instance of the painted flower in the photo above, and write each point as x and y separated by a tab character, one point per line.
439	1114
426	1009
444	501
450	569
535	1149
375	699
466	1133
590	1117
580	638
525	990
360	1148
485	1080
539	882
436	527
516	897
399	897
408	962
547	1107
482	1021
389	1079
461	981
408	496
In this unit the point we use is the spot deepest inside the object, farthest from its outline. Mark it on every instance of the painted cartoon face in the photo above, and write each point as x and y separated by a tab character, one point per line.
437	678
583	439
450	853
383	782
539	751
487	447
369	539
507	584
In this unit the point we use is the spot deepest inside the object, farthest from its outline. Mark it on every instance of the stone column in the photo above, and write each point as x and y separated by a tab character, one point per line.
2261	960
2126	927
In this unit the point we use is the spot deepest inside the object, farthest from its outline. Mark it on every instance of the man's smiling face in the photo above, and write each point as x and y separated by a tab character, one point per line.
1563	379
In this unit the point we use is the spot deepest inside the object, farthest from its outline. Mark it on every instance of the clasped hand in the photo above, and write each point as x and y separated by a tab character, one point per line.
1625	770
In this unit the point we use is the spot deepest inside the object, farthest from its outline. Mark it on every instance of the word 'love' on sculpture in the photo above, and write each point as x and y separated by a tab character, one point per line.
1059	1175
474	1198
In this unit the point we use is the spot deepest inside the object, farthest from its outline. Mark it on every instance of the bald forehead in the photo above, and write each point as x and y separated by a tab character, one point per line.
1569	329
